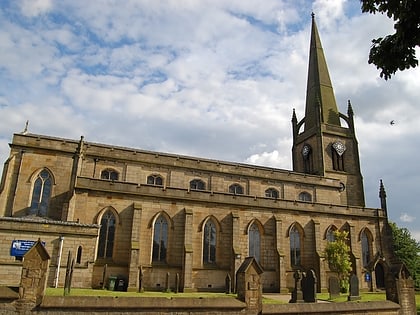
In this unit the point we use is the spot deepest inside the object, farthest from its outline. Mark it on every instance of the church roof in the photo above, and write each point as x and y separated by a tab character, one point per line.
321	106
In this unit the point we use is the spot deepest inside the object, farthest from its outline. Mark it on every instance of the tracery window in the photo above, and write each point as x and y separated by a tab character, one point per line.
156	180
109	174
304	196
366	247
254	240
41	194
160	239
107	235
272	193
197	184
295	246
209	242
236	189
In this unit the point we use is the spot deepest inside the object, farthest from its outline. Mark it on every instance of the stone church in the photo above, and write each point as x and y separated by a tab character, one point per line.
157	220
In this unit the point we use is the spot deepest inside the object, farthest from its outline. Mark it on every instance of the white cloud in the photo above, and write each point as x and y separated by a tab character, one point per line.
33	8
404	217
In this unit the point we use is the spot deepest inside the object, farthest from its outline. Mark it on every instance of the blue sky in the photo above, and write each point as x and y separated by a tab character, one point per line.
208	78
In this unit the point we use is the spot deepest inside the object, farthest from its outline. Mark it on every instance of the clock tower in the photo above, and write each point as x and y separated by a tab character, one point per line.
324	141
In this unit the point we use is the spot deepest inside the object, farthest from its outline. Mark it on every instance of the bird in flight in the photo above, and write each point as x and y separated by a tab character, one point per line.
392	122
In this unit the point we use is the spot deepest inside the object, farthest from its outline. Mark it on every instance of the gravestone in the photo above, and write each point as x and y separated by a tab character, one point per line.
33	280
228	284
249	286
69	274
354	288
333	287
309	287
297	295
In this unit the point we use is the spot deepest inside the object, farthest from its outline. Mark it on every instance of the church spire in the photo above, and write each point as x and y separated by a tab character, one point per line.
321	107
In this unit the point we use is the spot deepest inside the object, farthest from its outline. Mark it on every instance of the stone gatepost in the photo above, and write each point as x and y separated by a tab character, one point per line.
33	280
249	286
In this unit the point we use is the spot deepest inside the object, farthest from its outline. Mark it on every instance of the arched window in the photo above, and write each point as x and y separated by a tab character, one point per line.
41	194
209	243
308	164
79	255
155	180
254	241
160	240
337	154
295	247
236	189
197	184
366	247
330	234
272	193
109	174
106	235
304	196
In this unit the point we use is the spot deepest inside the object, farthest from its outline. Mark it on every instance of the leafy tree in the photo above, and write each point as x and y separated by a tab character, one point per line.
407	249
397	51
338	257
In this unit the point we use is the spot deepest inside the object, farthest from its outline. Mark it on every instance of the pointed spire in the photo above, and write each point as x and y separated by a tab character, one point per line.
321	106
382	197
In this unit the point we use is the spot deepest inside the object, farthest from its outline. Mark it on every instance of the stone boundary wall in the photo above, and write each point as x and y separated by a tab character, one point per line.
192	306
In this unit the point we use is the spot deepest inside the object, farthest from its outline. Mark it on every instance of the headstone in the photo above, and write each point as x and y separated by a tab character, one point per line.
228	284
141	289
69	274
309	287
33	280
297	295
333	287
249	286
354	288
167	288
177	282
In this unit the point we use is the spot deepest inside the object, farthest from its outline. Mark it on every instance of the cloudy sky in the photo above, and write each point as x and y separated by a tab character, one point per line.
209	78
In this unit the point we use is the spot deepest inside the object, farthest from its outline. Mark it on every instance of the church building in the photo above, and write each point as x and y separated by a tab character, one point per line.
155	220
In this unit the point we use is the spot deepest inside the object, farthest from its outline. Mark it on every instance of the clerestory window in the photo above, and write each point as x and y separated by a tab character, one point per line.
109	174
197	184
236	189
156	180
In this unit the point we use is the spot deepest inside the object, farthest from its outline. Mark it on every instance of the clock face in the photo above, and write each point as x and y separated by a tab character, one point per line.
339	147
305	150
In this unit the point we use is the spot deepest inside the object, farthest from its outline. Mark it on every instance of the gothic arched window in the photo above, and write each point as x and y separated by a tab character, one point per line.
295	246
155	180
41	194
109	174
254	240
236	189
209	243
272	193
107	235
365	239
197	184
330	236
160	239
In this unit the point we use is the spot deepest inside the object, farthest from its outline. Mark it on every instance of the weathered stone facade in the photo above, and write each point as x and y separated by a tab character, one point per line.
140	215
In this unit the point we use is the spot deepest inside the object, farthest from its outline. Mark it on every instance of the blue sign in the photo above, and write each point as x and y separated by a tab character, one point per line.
20	247
367	277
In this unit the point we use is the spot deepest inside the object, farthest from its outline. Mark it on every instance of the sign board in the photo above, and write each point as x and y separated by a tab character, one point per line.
20	247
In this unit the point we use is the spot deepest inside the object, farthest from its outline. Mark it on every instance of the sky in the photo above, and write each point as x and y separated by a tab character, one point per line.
211	78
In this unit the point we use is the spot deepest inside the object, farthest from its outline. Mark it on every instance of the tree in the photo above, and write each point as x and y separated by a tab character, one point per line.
338	257
407	249
397	51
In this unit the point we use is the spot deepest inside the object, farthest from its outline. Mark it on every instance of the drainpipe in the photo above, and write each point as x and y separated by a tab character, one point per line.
57	271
